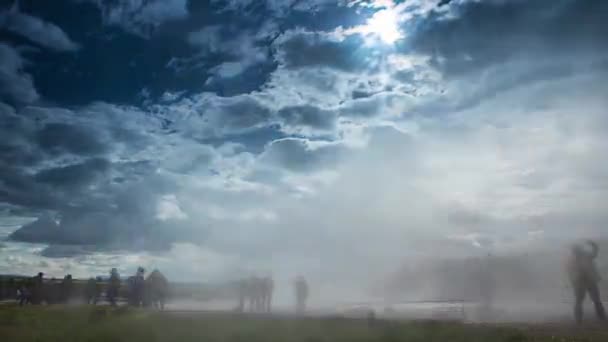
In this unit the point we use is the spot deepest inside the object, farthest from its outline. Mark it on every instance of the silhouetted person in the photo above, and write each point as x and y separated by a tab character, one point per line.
23	295
301	289
157	289
260	290
36	291
66	288
53	292
584	278
371	317
11	287
98	288
113	287
3	290
254	293
487	286
138	287
131	298
242	293
20	296
91	291
268	289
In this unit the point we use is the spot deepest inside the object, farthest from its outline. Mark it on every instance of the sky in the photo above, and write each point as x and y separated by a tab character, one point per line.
334	139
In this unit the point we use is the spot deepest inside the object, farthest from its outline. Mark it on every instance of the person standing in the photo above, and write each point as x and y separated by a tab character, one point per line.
156	289
301	289
66	288
242	293
36	294
584	278
91	291
139	286
268	292
113	286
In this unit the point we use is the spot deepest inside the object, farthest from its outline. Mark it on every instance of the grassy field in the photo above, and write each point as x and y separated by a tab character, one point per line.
105	324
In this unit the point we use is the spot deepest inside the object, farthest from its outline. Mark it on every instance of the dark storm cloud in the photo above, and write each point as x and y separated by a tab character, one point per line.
15	134
55	188
40	230
16	153
63	137
27	143
58	160
62	163
484	33
102	229
89	211
20	189
67	251
307	116
43	33
133	171
74	175
16	86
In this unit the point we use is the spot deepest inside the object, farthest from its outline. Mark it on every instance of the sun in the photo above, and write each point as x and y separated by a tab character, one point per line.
384	25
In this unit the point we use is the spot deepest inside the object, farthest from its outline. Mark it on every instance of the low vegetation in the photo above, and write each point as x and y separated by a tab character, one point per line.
56	323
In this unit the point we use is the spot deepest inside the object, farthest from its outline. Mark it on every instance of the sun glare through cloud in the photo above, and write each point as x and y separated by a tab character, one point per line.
384	25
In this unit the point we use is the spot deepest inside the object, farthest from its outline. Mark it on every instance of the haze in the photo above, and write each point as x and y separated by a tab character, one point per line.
220	139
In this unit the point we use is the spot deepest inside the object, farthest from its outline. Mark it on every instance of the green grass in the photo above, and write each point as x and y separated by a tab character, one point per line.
106	324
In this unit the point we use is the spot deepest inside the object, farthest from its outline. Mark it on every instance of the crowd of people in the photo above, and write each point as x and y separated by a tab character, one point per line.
138	290
36	291
255	294
258	292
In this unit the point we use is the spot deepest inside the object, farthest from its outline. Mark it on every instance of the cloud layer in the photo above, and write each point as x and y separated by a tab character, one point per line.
295	140
43	33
